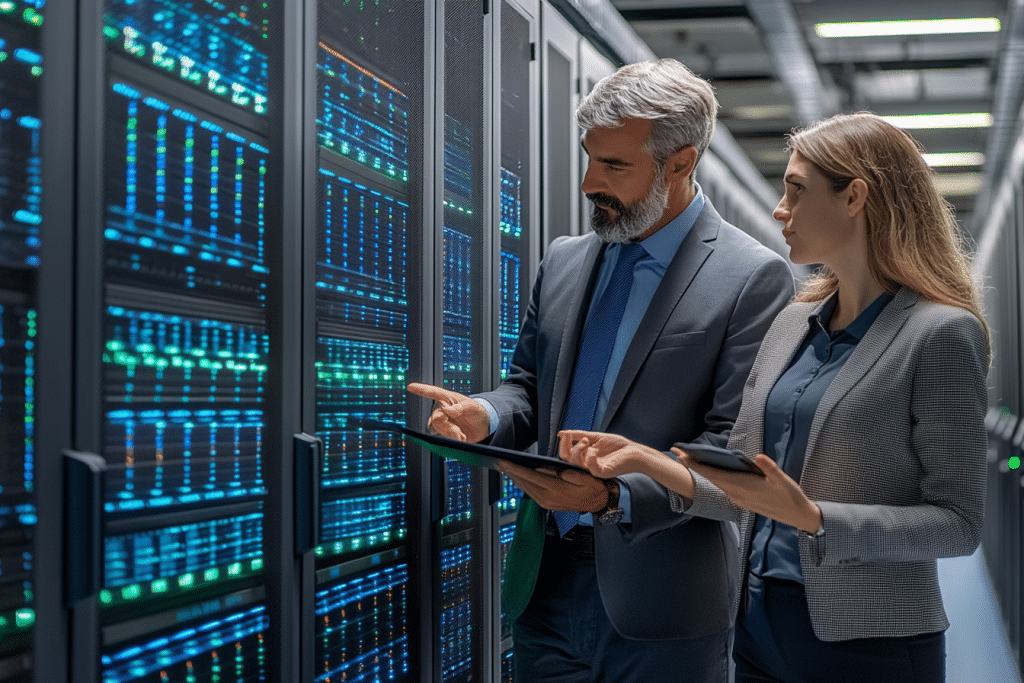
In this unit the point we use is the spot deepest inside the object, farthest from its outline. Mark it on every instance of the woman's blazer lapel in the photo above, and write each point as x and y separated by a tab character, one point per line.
777	351
876	341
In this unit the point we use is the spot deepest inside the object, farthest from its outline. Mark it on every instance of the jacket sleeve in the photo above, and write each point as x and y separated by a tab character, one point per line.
947	412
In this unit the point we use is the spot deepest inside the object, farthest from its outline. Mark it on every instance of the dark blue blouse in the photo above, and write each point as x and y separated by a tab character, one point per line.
775	551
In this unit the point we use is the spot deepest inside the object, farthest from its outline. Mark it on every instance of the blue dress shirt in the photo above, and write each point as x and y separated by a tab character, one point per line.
789	412
661	248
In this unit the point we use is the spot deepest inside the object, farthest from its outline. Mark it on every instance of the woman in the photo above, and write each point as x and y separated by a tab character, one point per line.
865	411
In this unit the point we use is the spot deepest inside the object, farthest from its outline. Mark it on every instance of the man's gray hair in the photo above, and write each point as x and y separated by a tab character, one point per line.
681	104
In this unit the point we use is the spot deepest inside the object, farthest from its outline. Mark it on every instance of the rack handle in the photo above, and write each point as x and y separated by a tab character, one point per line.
83	525
308	452
438	488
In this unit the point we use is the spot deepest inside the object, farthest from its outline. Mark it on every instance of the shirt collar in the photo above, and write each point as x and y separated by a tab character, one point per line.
859	327
663	245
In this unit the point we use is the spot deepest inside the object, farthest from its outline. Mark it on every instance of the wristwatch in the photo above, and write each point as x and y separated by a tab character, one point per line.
611	513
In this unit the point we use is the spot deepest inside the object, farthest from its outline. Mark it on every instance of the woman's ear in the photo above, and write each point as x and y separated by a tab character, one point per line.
856	196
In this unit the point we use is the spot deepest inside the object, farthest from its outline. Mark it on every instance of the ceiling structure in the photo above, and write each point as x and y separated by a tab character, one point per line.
774	69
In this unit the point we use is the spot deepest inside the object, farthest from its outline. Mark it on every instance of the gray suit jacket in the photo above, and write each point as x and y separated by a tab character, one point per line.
895	460
665	574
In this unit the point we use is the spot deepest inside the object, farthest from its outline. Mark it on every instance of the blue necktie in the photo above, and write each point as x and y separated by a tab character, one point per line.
594	352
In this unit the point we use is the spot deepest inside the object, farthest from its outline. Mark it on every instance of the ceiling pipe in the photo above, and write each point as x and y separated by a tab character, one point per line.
1006	107
792	59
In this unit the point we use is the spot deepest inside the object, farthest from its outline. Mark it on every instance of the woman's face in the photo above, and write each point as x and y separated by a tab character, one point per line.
816	223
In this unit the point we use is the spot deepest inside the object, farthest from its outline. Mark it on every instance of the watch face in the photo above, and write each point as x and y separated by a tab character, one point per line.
611	517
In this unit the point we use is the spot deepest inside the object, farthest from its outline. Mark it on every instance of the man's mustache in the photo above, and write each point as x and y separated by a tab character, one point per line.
606	201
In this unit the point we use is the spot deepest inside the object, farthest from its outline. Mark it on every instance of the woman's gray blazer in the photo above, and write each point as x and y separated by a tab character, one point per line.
895	460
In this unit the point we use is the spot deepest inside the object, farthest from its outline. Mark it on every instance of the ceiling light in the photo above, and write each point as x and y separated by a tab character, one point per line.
958	184
954	159
763	111
917	121
907	28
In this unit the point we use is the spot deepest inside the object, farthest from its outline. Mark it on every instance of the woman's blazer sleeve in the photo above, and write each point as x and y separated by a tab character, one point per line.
947	406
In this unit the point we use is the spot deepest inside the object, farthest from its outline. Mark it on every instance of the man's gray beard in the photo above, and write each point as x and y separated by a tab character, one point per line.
633	220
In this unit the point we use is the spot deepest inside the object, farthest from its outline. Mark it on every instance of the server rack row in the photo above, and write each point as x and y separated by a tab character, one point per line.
249	225
1001	266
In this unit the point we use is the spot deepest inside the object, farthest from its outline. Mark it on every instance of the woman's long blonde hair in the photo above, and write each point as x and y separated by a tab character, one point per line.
913	238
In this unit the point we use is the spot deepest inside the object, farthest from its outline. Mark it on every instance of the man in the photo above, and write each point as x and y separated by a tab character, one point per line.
646	328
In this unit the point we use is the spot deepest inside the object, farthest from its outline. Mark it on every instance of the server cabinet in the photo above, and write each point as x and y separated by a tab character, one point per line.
518	239
593	67
561	146
371	246
21	201
176	298
1004	504
462	245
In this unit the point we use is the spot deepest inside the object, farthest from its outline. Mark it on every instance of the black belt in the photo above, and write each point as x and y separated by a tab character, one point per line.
579	540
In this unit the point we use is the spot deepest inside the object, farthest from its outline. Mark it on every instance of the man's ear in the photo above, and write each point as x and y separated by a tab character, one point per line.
681	164
856	196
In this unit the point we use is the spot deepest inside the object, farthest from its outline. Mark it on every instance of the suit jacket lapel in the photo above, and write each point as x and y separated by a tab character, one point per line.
585	265
876	340
788	336
692	253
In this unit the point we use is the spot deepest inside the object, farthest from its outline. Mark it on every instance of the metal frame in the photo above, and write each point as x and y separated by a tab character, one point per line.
291	658
55	328
88	294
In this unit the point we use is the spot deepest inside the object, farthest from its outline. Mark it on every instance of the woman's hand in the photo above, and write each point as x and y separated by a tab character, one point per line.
609	455
604	455
774	495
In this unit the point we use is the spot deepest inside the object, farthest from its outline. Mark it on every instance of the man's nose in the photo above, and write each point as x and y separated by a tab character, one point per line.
591	181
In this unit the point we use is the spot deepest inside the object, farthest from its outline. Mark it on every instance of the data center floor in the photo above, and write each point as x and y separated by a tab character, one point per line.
977	650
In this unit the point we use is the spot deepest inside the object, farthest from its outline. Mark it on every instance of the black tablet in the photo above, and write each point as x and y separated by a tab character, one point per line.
469	453
722	458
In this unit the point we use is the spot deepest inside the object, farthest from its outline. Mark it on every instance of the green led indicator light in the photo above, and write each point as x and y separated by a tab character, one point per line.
235	569
131	592
1014	463
24	617
159	586
211	574
185	580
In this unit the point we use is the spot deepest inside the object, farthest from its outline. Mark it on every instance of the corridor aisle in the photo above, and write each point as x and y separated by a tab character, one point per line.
977	650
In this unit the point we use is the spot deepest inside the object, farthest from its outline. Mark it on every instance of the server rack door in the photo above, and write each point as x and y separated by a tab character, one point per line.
185	423
593	67
518	228
371	117
20	219
561	147
465	336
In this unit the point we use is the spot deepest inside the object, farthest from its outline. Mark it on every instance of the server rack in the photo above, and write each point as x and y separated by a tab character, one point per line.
20	240
560	144
181	259
1000	263
519	159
